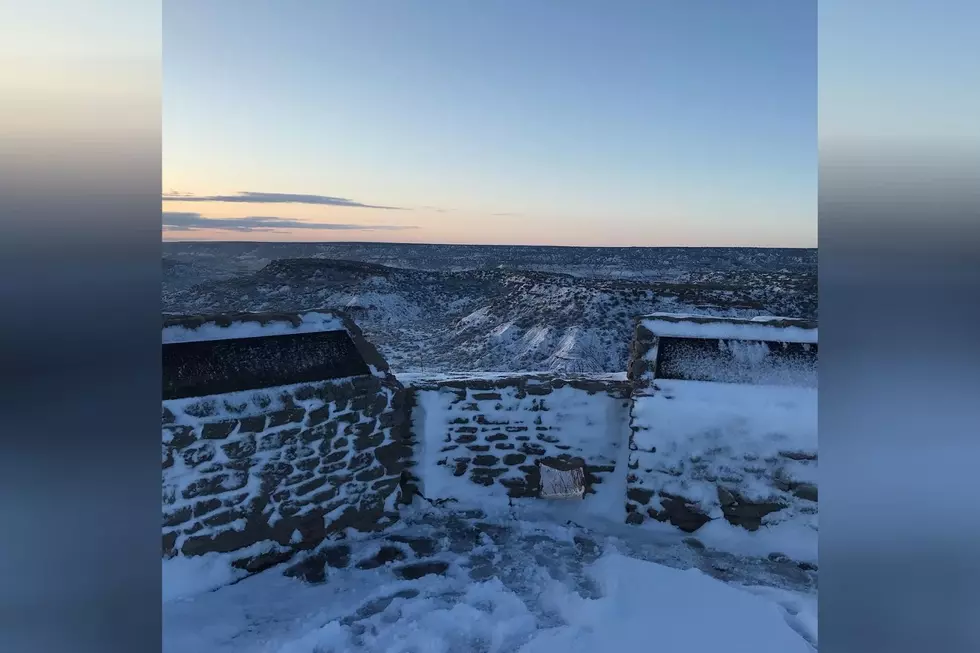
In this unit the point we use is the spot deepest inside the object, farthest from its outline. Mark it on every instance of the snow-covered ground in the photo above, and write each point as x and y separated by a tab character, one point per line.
501	582
759	442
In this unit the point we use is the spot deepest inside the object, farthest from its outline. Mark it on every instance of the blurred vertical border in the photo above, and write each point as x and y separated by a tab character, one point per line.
79	325
80	360
899	241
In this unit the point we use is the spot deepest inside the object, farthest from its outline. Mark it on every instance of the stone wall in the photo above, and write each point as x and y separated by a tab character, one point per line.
774	351
742	453
488	437
738	451
263	473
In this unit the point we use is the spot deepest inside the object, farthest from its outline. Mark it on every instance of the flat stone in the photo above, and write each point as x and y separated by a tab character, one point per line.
749	515
487	396
224	517
201	409
178	517
533	449
519	488
287	416
371	440
422	546
242	448
251	424
335	456
311	485
485	476
218	430
202	508
318	415
806	491
168	416
196	455
384	556
680	513
323	496
370	474
206	486
798	455
307	464
169	544
360	461
639	495
394	456
420	569
180	436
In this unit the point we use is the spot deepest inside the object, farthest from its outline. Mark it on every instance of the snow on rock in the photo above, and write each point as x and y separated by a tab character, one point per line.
737	463
312	322
777	329
280	467
480	442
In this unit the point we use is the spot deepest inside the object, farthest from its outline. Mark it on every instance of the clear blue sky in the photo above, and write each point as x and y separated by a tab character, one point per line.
542	122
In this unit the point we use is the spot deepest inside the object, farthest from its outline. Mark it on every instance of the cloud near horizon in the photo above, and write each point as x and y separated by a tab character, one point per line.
186	221
252	197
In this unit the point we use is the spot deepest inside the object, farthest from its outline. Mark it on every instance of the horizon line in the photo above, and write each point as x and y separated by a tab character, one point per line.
376	242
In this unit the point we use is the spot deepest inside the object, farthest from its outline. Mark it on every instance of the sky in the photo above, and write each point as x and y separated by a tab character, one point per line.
551	122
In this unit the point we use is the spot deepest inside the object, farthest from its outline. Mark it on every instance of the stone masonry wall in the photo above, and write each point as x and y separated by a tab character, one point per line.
262	474
489	436
702	451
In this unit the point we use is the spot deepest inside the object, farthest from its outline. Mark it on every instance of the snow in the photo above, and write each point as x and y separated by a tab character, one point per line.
475	318
180	475
689	417
185	577
544	594
795	538
676	610
593	426
684	326
420	378
694	437
312	322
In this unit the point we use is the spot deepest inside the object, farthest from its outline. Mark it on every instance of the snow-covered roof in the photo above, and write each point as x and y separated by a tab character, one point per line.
682	325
